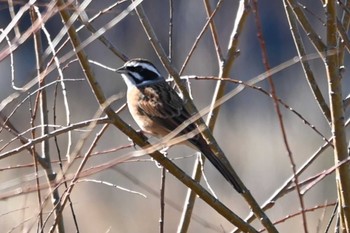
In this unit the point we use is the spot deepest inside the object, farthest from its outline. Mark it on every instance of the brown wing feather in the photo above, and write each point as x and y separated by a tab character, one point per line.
162	104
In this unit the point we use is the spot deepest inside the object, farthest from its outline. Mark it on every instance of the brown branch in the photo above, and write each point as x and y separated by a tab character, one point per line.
305	64
199	121
200	35
300	213
278	110
305	24
43	110
337	114
125	128
197	169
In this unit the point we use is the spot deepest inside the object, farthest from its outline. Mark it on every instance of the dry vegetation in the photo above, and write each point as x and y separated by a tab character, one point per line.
268	77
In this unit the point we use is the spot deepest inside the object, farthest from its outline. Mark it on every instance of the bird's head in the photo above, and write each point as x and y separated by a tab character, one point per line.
139	72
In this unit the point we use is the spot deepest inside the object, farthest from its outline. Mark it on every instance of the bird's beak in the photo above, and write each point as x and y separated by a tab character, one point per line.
121	70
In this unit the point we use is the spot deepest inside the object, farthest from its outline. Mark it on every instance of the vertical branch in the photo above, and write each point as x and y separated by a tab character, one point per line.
79	146
190	200
171	20
163	170
337	114
162	200
263	218
197	169
305	24
225	68
278	111
45	146
213	31
36	166
13	15
345	23
200	35
305	63
67	109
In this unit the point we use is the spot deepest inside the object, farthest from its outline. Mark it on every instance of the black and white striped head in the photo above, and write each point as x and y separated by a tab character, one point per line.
139	72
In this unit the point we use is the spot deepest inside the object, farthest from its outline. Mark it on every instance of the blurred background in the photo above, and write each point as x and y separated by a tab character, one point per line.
247	128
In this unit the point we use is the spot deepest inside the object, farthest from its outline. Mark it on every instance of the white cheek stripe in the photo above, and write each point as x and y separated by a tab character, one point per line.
149	67
145	66
137	76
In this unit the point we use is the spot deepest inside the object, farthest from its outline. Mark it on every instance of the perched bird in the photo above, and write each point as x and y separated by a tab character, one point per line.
158	109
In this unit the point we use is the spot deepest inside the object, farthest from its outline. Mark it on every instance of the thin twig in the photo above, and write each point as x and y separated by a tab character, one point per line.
35	157
162	200
200	35
213	30
305	24
260	89
172	168
197	169
282	190
278	112
79	146
300	213
305	64
43	110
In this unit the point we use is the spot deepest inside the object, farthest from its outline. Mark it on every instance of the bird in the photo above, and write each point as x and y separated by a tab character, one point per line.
158	110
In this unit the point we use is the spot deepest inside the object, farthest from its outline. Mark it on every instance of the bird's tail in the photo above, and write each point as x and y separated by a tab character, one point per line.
221	164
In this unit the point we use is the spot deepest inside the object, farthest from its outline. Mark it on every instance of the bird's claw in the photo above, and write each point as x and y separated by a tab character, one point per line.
164	152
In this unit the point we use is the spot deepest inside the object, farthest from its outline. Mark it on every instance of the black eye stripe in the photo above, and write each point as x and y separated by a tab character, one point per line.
148	74
141	70
135	68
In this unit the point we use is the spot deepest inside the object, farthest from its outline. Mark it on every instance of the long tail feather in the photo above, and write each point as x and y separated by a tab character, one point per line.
222	167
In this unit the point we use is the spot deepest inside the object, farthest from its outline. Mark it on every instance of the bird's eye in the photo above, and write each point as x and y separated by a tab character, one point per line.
137	69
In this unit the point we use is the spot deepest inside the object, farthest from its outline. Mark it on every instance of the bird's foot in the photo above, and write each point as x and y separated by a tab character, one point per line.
164	152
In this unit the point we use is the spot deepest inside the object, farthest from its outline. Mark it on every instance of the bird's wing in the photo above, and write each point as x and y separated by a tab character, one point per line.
162	104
